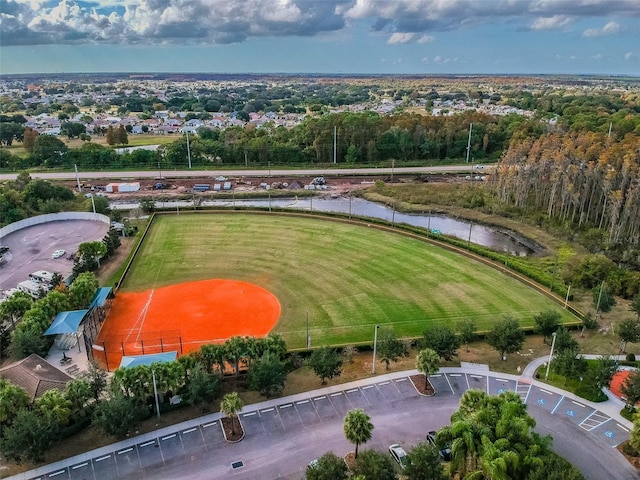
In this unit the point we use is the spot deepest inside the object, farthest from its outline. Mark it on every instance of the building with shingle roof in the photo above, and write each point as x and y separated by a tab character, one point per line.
35	376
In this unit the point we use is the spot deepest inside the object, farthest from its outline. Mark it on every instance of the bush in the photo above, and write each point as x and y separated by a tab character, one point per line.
591	393
631	357
628	413
627	449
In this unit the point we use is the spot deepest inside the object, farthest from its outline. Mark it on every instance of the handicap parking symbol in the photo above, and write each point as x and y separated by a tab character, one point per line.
610	434
541	401
571	413
501	390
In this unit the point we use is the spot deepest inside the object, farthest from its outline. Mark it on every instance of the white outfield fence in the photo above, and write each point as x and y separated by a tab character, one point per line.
53	217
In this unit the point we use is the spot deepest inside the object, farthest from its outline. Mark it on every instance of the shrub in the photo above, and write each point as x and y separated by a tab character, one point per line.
631	357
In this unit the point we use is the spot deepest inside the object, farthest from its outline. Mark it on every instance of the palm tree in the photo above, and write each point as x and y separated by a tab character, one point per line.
230	405
427	362
357	427
55	406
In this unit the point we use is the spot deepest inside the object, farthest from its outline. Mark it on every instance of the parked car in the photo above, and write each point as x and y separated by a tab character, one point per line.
445	452
399	455
58	254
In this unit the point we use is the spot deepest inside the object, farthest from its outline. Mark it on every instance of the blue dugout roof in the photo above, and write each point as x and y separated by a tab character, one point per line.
66	322
136	360
100	297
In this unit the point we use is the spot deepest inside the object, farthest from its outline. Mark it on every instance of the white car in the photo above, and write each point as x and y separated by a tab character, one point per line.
221	178
58	253
399	455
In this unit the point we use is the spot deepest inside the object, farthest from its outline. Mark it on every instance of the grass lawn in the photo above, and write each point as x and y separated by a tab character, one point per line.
347	278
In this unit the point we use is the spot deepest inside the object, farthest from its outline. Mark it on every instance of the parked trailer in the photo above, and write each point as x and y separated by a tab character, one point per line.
201	187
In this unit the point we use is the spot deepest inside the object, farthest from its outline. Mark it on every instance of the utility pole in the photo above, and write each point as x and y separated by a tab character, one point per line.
335	144
469	142
553	344
375	345
77	178
188	150
308	335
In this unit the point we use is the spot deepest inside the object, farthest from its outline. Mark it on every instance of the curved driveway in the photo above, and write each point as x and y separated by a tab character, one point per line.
284	434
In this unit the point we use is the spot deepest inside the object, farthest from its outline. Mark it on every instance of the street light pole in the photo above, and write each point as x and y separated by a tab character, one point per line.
375	345
155	392
553	344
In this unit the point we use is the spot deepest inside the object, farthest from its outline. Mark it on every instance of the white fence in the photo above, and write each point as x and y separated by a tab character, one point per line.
52	217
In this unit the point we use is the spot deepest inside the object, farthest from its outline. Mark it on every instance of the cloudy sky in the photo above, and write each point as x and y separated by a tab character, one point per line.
321	36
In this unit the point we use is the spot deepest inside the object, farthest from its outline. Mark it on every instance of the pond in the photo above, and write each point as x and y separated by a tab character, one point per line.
497	239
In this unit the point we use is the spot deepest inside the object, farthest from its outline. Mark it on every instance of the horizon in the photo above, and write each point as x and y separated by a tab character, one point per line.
330	37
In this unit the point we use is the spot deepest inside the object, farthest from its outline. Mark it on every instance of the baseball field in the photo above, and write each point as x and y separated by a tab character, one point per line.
344	278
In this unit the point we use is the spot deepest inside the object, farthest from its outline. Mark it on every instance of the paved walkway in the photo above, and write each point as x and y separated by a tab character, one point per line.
611	408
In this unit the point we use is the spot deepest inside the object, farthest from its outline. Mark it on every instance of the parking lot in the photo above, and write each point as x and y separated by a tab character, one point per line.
272	423
30	249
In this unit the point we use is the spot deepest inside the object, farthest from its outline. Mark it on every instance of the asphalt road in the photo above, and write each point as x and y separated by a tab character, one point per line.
283	435
247	173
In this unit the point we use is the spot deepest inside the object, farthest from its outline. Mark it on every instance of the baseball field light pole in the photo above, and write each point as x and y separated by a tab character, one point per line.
155	392
375	345
553	344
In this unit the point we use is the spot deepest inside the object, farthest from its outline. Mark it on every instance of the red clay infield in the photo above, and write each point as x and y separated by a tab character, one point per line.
183	317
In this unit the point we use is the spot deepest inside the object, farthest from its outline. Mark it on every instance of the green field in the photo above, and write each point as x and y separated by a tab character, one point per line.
348	278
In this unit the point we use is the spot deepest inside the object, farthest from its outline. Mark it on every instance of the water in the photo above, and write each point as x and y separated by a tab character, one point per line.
465	230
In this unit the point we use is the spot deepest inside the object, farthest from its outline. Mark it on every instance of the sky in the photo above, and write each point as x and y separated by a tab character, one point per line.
321	36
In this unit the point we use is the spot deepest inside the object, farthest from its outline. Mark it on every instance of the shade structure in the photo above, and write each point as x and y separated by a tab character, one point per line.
136	360
66	322
100	297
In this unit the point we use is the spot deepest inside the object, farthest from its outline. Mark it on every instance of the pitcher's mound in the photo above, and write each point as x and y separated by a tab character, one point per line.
207	311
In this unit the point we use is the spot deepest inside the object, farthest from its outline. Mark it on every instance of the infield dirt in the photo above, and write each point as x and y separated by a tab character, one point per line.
183	317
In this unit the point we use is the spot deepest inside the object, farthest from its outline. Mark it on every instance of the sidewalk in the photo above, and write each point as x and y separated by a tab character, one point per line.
611	407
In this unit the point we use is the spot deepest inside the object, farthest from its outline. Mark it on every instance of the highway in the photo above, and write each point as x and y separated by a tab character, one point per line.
265	172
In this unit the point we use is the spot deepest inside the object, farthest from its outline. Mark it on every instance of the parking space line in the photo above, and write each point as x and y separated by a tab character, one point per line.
352	390
215	423
286	405
336	394
450	386
146	444
267	410
501	380
367	387
384	383
320	398
168	437
102	458
455	374
126	450
302	402
189	431
557	405
623	428
578	404
546	391
250	414
475	376
401	380
80	466
55	474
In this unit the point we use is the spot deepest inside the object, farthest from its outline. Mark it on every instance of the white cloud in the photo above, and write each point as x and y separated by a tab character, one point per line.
610	28
550	23
32	22
632	56
399	37
426	39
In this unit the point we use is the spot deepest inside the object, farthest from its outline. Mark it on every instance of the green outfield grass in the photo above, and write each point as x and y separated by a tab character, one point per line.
347	278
